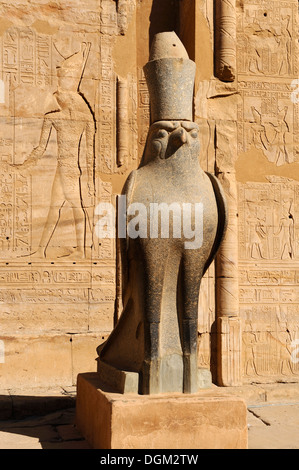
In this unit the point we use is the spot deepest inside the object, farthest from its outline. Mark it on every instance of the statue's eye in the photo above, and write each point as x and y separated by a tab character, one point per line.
194	133
162	133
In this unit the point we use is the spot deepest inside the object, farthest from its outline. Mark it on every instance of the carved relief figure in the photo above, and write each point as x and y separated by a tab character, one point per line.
270	135
268	224
266	38
281	128
259	138
267	65
257	233
269	289
249	339
286	231
284	48
73	122
253	58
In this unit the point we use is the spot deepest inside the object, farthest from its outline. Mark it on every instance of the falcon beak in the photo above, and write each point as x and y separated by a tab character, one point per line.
177	138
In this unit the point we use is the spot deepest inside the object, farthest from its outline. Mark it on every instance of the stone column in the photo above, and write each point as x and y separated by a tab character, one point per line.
227	285
225	39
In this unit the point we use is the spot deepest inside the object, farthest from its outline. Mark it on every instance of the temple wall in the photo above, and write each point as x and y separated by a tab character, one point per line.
250	117
57	306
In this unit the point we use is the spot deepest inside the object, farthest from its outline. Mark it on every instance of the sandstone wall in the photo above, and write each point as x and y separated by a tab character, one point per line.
248	108
57	306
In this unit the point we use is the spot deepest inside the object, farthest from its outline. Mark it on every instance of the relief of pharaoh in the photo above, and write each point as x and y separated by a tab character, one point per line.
157	332
73	122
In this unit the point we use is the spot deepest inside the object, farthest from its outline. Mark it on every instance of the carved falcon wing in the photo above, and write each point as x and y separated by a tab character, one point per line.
123	243
222	218
121	312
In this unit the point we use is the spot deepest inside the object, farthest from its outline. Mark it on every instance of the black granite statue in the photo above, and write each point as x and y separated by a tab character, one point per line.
156	336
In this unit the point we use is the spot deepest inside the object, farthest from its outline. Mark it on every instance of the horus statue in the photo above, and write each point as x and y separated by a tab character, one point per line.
155	341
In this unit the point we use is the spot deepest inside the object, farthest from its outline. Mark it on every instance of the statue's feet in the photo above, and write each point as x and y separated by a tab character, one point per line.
150	377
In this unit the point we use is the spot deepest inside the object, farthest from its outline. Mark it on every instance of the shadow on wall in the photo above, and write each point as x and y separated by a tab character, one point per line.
164	17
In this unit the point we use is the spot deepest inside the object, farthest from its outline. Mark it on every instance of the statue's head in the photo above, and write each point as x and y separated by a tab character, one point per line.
170	76
167	139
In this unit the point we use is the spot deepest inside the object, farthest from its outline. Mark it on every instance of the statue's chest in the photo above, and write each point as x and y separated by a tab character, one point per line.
184	205
168	185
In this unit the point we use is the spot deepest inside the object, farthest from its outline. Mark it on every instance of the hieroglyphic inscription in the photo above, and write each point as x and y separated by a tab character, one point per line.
143	108
270	323
31	61
104	248
132	119
107	115
268	215
267	37
267	54
268	120
15	215
268	277
55	276
57	296
117	114
26	57
127	132
108	17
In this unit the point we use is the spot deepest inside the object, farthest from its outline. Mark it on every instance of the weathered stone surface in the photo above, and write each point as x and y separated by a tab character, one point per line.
168	421
261	171
249	131
170	78
225	40
267	216
58	114
46	359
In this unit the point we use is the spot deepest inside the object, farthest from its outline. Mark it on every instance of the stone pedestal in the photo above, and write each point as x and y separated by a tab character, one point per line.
203	420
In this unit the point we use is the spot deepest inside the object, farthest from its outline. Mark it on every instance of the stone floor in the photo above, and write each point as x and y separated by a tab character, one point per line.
39	419
45	419
273	426
53	431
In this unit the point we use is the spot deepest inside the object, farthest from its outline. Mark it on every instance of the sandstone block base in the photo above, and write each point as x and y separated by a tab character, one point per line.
110	420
